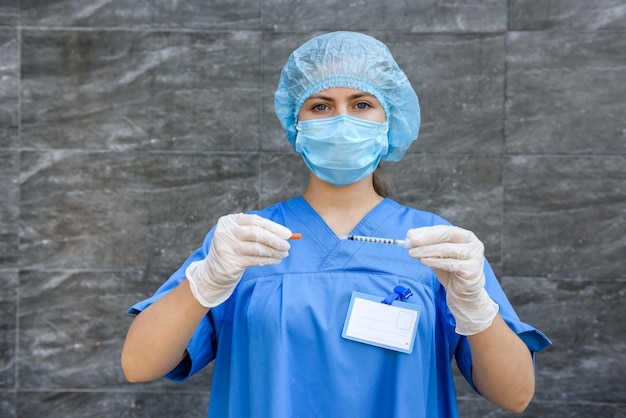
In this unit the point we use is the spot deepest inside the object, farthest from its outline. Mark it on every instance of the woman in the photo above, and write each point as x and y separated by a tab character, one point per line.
297	328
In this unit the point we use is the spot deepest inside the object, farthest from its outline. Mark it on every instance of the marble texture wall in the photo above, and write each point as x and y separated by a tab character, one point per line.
127	128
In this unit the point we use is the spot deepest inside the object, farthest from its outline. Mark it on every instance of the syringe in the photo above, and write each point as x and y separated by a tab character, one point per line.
376	240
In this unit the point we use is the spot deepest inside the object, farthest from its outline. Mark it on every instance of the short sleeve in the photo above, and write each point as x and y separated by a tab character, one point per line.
200	352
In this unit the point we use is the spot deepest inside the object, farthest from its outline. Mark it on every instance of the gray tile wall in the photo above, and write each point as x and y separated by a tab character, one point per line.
127	128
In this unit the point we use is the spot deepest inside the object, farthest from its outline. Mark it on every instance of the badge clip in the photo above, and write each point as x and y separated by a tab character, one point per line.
399	293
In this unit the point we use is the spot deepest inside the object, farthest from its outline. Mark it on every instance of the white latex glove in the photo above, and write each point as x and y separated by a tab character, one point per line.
456	255
239	241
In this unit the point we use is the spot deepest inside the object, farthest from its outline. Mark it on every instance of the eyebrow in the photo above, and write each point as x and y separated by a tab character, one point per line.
352	96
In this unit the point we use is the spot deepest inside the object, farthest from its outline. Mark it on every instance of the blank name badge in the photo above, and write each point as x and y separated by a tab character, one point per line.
372	322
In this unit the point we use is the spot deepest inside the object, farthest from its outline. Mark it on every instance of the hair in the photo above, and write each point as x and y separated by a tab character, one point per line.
382	183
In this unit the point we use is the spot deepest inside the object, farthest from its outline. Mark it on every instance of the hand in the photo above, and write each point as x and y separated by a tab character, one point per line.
239	241
456	256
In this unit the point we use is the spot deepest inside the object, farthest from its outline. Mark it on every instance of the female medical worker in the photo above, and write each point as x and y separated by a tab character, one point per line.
324	326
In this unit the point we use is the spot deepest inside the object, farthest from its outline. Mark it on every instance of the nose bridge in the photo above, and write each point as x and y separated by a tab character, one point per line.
341	108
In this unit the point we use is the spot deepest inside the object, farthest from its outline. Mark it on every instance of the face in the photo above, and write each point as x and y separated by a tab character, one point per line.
342	100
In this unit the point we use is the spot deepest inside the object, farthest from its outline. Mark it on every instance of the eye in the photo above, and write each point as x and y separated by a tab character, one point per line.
362	105
320	107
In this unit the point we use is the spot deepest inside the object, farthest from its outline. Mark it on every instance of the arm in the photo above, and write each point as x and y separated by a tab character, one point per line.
503	370
157	338
502	367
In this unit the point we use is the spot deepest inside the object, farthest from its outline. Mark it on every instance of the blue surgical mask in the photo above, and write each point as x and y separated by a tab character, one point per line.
341	150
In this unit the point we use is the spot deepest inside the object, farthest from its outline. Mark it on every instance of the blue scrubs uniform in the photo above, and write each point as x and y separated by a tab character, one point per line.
277	341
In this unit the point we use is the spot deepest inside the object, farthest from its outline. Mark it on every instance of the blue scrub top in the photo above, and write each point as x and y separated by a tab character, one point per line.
277	341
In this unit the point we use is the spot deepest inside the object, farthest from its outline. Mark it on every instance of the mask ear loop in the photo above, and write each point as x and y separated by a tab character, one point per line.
297	145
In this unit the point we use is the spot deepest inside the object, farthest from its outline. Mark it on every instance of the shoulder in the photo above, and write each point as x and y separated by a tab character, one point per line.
274	212
285	211
416	217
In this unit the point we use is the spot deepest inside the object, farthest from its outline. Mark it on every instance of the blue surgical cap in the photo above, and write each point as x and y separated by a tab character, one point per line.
353	60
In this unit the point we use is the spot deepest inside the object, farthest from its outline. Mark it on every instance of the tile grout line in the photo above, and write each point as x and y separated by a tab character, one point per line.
259	145
19	206
503	153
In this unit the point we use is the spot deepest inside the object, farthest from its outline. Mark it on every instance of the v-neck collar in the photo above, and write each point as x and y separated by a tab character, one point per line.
337	253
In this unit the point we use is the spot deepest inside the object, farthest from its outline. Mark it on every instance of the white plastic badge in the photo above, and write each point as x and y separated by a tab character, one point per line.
372	322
